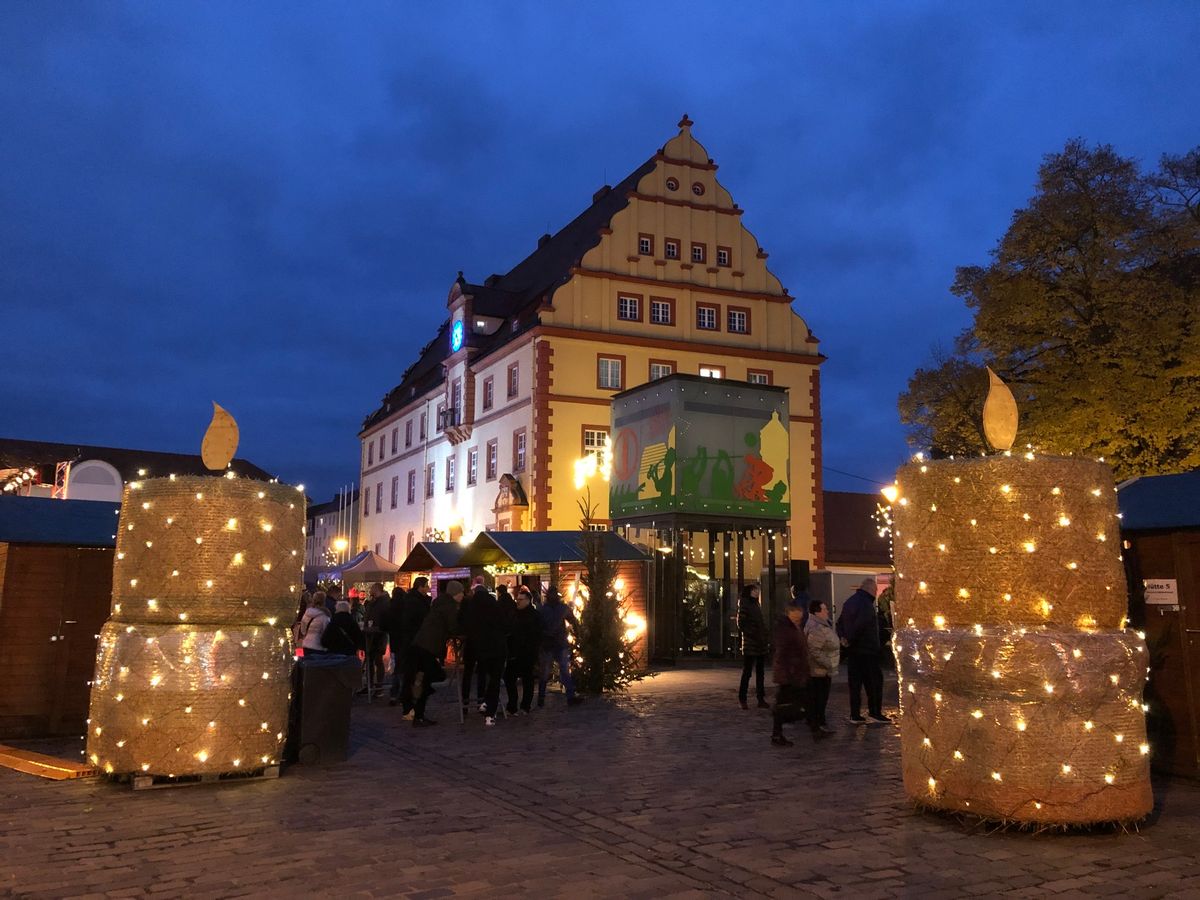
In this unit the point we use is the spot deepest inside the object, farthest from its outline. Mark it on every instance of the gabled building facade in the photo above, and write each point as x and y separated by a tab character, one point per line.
658	275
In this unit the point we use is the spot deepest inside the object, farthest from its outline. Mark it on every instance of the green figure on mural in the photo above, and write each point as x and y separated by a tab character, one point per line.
662	474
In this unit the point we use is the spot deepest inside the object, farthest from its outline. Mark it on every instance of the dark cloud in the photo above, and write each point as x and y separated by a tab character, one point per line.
264	203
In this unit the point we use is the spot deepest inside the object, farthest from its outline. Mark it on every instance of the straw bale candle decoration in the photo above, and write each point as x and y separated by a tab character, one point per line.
1020	687
193	664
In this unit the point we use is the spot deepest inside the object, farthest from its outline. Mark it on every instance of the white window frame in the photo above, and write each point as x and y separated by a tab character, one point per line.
667	318
707	311
473	465
670	370
629	309
740	315
609	373
708	370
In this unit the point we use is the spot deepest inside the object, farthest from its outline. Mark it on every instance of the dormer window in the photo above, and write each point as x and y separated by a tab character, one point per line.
645	245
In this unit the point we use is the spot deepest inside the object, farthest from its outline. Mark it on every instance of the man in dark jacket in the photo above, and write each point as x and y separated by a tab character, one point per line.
556	648
470	628
404	616
489	637
754	645
428	651
524	638
858	628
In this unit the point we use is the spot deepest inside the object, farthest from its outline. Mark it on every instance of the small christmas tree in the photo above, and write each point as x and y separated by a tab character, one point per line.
603	651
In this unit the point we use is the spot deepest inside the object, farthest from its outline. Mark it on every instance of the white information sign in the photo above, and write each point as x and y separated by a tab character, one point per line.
1161	591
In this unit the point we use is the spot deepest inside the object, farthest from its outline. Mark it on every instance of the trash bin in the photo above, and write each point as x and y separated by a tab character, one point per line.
319	719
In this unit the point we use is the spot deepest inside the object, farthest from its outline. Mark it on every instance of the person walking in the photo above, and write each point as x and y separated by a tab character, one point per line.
374	612
824	653
490	640
404	616
427	652
342	634
858	629
471	629
791	674
754	645
555	647
524	638
312	626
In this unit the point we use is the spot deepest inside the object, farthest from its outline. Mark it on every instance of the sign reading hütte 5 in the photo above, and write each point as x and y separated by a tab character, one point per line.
1161	591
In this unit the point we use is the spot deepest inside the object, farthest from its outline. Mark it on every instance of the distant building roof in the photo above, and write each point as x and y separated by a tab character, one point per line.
851	532
332	506
1160	501
40	520
516	295
131	464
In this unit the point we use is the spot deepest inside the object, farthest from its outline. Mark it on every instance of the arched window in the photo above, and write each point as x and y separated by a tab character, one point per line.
410	542
392	548
94	479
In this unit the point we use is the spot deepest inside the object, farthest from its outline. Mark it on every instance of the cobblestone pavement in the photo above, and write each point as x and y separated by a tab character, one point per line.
670	791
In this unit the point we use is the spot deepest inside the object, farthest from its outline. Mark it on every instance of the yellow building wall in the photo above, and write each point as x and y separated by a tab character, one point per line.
582	324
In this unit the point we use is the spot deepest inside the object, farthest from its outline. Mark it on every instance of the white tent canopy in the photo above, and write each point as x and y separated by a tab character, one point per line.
367	566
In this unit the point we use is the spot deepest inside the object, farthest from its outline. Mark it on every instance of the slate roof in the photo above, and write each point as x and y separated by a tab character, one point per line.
428	555
1160	501
491	547
19	454
516	294
40	520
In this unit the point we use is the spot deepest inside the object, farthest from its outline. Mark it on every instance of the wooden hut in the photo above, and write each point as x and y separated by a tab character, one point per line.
1160	526
56	564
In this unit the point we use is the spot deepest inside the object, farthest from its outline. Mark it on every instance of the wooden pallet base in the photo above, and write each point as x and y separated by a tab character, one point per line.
153	782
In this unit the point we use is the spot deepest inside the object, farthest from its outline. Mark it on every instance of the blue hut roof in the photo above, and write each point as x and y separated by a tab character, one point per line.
40	520
1160	501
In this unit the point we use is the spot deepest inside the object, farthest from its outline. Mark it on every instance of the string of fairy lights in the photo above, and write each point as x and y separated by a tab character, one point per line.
192	668
1020	683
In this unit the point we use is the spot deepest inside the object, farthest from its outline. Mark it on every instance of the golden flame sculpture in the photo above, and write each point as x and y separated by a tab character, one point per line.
220	440
999	414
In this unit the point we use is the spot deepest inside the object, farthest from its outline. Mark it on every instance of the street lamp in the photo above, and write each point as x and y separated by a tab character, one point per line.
340	545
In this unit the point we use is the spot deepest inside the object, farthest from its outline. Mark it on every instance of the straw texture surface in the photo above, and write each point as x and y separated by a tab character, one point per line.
1021	691
192	667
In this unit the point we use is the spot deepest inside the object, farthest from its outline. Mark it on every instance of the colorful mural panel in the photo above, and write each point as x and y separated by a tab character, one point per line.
685	444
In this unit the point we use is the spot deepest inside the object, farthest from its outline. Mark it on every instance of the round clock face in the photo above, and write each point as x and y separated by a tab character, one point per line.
456	335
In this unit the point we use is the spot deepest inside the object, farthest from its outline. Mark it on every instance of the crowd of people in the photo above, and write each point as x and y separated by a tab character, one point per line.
516	641
497	637
808	648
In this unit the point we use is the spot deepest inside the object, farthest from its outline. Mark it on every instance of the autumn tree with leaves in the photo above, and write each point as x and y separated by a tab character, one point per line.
1090	310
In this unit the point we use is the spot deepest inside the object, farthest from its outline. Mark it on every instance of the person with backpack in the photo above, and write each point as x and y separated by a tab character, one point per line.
342	634
427	652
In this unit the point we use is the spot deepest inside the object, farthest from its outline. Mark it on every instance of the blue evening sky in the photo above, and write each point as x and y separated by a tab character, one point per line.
265	203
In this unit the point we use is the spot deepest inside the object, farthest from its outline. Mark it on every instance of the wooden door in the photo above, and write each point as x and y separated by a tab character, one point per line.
53	601
1174	685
